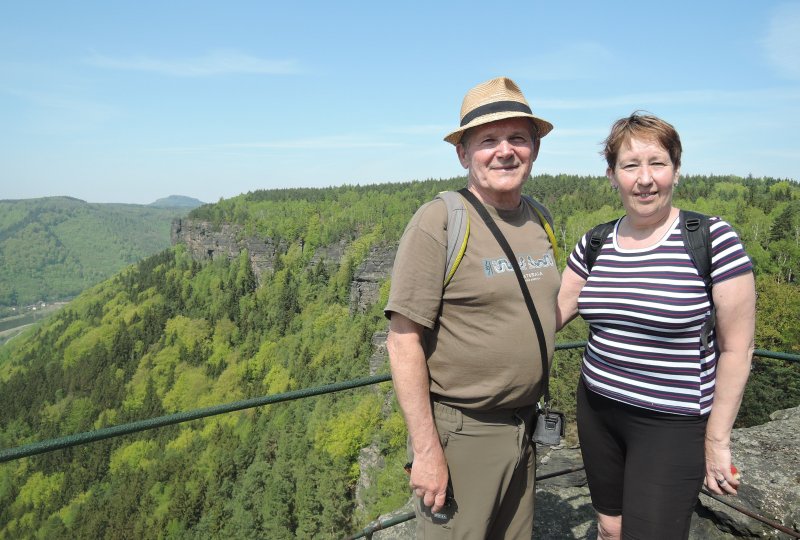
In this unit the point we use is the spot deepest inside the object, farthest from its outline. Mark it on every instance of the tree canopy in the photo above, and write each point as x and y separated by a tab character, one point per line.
170	333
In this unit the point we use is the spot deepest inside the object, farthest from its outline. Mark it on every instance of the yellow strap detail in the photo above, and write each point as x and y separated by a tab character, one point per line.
549	230
463	248
461	251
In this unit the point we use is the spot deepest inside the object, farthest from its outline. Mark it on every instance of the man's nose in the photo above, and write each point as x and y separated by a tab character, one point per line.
504	149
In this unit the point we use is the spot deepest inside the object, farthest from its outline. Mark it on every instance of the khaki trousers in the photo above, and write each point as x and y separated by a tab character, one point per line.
492	470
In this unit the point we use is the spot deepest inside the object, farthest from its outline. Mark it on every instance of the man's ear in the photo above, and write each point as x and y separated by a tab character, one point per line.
537	143
461	151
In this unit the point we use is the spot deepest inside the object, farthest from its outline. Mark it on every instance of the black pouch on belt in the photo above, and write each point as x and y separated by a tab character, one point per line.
549	427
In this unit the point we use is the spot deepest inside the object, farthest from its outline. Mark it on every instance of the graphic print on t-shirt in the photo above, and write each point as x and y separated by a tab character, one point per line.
533	266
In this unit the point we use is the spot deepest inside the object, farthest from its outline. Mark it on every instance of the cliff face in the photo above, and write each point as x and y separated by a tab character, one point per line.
206	243
367	278
768	457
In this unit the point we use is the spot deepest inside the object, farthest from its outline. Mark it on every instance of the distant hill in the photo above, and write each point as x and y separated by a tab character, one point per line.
177	201
53	248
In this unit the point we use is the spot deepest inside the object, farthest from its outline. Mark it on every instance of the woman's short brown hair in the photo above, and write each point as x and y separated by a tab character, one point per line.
646	127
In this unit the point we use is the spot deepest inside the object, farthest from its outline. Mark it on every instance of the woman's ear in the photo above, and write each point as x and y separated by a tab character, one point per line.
612	179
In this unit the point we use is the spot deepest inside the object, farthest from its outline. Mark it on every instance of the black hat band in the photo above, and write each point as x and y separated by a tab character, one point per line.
496	107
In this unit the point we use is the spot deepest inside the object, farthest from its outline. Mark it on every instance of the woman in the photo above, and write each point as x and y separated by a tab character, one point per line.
649	434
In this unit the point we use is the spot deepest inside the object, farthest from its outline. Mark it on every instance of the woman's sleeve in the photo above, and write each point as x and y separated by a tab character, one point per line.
728	257
577	259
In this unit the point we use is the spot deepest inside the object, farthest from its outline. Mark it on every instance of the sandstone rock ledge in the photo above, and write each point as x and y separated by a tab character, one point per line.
768	457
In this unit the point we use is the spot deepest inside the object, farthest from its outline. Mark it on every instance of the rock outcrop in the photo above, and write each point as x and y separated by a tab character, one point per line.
205	242
768	457
367	279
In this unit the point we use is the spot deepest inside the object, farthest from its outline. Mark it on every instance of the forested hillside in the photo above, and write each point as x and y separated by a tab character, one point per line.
53	248
171	334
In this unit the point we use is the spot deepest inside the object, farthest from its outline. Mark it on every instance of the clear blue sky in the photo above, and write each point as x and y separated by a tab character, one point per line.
133	101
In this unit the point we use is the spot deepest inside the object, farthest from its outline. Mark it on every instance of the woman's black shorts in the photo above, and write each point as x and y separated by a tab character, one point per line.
644	465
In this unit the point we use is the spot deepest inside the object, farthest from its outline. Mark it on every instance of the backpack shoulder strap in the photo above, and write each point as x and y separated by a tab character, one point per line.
696	233
546	220
457	231
597	237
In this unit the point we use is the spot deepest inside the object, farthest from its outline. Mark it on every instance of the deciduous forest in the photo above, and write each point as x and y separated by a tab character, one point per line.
55	247
171	334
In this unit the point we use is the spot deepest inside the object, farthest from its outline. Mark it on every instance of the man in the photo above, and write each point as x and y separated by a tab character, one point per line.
465	359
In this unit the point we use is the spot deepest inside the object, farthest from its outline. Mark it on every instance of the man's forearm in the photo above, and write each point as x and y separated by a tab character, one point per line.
412	387
429	474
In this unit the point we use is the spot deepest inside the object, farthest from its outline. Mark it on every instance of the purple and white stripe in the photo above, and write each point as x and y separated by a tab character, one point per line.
645	309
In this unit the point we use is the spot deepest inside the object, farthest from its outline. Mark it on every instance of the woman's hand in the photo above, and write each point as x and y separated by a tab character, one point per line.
722	477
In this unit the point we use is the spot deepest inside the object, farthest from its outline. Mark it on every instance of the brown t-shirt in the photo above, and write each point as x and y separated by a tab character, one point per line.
479	340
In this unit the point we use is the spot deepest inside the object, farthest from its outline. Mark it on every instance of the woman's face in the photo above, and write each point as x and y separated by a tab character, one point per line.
645	176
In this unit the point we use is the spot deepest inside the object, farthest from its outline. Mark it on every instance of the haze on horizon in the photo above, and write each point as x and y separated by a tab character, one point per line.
135	102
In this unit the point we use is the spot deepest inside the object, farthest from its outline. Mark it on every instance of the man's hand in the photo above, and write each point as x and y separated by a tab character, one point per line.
429	478
411	384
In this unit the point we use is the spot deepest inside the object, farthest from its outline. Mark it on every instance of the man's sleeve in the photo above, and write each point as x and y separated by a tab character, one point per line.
419	266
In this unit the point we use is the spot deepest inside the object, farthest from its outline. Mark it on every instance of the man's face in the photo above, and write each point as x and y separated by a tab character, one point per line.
499	156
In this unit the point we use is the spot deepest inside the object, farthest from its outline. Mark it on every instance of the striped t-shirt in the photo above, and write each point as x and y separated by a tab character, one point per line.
645	309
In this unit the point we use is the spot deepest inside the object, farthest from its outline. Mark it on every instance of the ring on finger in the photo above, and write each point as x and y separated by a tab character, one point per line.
722	482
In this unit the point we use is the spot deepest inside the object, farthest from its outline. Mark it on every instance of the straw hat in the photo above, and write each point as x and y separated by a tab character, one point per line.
494	100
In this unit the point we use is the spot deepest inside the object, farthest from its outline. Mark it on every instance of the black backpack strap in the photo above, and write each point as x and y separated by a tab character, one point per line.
512	259
596	238
696	234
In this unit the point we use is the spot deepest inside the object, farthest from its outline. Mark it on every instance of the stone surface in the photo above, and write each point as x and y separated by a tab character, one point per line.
563	506
369	459
766	455
367	279
205	242
379	361
768	458
332	253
